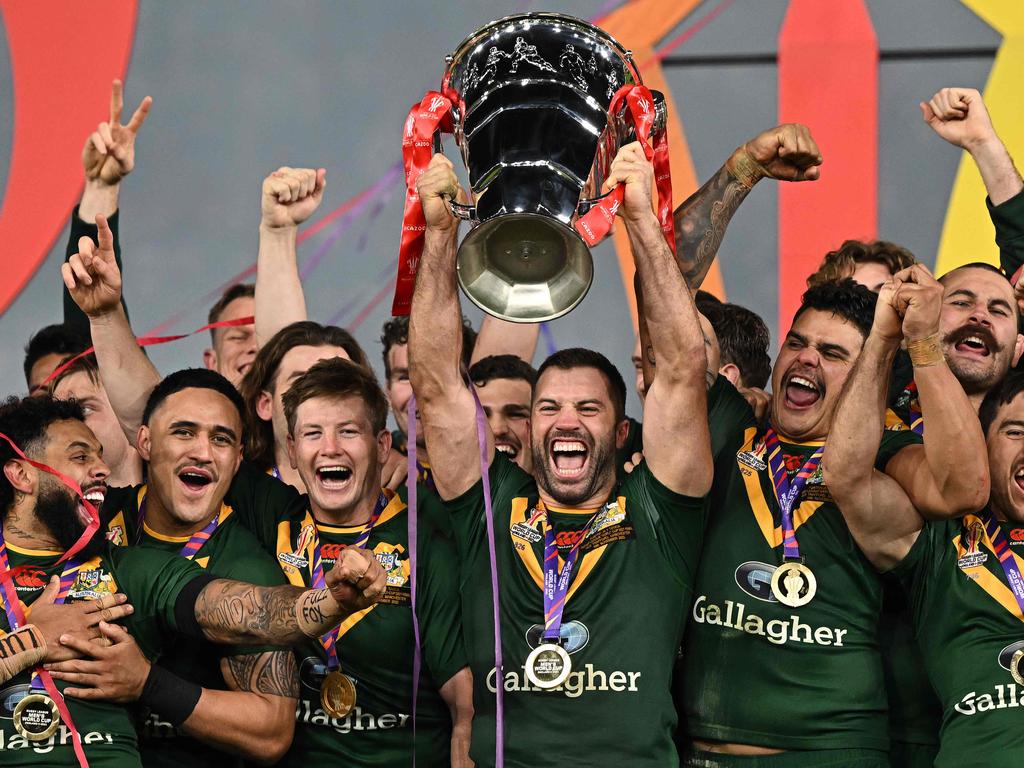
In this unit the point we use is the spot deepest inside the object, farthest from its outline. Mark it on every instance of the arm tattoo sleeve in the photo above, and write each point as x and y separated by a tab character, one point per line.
236	612
20	650
273	673
700	224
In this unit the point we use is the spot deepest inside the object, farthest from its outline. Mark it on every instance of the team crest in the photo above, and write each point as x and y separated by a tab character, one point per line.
92	584
970	545
395	568
115	535
297	558
611	515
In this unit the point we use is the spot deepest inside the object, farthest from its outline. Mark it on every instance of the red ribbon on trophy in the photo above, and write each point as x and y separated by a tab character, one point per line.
433	113
597	222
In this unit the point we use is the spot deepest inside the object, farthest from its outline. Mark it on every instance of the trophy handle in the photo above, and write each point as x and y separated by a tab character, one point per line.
459	210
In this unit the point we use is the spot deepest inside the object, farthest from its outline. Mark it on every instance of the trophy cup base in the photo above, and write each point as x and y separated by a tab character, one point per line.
525	267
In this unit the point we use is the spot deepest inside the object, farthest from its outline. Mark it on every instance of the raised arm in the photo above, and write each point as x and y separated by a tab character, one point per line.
948	475
878	512
786	152
239	613
675	407
446	405
501	337
94	282
107	157
290	196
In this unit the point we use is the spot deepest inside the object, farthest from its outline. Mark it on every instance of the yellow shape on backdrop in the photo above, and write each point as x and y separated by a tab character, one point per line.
967	234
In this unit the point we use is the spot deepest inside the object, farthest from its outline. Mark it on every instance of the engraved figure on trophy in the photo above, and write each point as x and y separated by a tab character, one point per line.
573	63
494	57
523	51
613	84
472	77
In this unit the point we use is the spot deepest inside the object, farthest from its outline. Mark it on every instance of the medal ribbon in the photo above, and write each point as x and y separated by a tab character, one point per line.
915	416
556	582
1002	549
411	478
149	341
330	639
431	114
195	542
594	225
788	491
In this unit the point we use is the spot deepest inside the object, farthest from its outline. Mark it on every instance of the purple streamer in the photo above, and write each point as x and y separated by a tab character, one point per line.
410	485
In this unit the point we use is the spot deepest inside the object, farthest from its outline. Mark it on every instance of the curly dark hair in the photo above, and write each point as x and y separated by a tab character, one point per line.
842	262
396	331
844	298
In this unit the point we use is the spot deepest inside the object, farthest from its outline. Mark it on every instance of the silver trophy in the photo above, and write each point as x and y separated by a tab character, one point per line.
530	106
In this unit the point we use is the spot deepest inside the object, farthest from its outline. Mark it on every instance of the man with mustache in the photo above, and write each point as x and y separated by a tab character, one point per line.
601	646
172	595
777	582
962	575
504	384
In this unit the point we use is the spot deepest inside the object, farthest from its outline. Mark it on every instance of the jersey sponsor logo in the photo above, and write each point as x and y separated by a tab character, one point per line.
1004	695
1016	537
755	578
297	558
972	537
155	728
307	713
92	584
775	631
573	635
580	681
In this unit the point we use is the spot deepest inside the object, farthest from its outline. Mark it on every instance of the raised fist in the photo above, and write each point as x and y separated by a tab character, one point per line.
357	580
437	184
787	153
92	276
918	299
291	195
634	171
959	116
109	152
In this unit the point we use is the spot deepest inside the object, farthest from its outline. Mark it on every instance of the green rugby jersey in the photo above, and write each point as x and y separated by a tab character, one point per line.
375	646
152	582
231	552
758	672
968	626
622	623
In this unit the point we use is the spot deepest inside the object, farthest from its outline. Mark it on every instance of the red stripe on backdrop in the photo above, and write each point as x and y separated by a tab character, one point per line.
828	79
63	57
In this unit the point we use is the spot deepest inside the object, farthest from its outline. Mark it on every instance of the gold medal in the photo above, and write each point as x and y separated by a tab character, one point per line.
793	584
1015	666
548	666
337	694
36	717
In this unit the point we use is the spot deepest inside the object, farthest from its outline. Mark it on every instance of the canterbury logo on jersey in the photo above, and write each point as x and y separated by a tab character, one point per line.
775	631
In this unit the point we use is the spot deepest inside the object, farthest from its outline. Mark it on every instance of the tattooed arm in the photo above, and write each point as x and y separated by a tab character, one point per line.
256	717
787	152
239	613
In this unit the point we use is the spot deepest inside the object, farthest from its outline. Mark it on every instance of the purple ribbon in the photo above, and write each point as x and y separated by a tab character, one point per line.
410	486
788	491
1005	555
556	585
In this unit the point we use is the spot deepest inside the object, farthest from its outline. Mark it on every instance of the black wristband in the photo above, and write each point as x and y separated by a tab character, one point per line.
170	696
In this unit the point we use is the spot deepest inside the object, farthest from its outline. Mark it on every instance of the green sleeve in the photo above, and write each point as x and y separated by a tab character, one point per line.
261	501
894	441
917	573
1008	219
123	500
675	522
729	415
466	512
152	580
438	607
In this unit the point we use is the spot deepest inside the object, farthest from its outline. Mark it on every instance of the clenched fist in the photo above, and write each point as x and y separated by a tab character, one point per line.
959	116
787	152
291	195
357	580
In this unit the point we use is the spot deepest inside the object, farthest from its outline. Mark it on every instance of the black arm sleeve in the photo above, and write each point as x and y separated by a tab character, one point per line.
185	607
74	318
1008	219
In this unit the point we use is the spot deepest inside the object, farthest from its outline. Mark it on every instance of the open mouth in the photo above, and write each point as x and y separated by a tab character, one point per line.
569	458
506	448
974	345
1018	478
94	496
194	479
801	392
334	476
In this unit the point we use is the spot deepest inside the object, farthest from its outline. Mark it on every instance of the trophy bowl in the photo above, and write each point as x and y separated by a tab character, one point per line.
530	105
